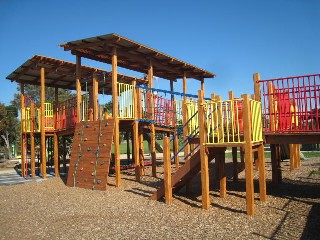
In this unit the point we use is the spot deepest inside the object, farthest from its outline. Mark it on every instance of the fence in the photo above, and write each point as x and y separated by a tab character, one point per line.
291	104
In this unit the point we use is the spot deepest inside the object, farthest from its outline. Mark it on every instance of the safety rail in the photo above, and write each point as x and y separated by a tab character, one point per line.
31	120
291	104
126	101
224	121
66	115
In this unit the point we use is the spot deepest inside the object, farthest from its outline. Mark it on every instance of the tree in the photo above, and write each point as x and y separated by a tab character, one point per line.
9	127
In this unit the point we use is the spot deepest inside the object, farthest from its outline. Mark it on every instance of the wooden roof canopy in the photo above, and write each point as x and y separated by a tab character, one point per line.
62	74
134	56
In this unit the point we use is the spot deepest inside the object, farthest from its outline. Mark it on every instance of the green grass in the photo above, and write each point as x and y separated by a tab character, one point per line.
314	172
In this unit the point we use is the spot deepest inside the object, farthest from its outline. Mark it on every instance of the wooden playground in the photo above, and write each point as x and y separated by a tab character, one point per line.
283	110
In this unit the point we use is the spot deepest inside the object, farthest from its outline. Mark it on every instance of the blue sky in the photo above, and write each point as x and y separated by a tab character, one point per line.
233	39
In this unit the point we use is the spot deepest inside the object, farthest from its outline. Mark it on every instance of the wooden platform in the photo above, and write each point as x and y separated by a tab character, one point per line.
90	155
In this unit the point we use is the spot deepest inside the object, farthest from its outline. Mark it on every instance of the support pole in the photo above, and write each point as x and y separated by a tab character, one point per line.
23	129
235	163
78	87
95	97
222	172
56	154
248	154
115	115
32	145
167	170
256	84
152	129
174	117
64	154
42	125
262	174
203	154
276	163
135	138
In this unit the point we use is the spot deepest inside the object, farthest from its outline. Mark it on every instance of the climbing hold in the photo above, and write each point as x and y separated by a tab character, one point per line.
87	125
91	162
73	175
107	124
81	169
76	164
101	163
79	145
79	133
104	144
86	139
99	181
92	173
89	148
80	154
100	134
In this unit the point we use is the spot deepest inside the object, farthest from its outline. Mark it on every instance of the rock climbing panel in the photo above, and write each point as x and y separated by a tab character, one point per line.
91	153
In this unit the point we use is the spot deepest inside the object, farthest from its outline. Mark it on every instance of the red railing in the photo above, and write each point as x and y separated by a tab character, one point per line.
162	109
66	115
291	104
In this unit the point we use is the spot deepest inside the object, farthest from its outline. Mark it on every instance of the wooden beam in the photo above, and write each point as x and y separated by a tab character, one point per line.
95	97
222	172
152	129
115	116
248	154
203	154
78	87
101	43
42	125
32	145
276	163
272	112
167	170
135	137
262	174
56	154
257	92
22	128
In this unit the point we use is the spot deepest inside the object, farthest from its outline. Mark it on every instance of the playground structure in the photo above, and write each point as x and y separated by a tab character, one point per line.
291	115
205	126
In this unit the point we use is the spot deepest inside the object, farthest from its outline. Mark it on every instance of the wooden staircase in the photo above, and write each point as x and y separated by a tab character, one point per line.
184	173
90	155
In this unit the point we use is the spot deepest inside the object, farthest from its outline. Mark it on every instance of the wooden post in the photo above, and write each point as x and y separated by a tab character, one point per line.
115	115
185	114
203	154
152	129
262	174
32	145
235	163
292	158
95	96
55	137
128	145
298	158
64	154
202	85
167	170
135	138
248	154
222	172
78	87
42	125
272	113
257	92
56	154
175	140
276	163
234	150
22	127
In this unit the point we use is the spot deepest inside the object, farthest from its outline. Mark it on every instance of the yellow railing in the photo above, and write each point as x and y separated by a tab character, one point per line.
48	116
84	107
27	120
256	120
125	101
224	121
192	109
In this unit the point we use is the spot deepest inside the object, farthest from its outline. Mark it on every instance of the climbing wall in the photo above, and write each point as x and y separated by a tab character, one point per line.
90	155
